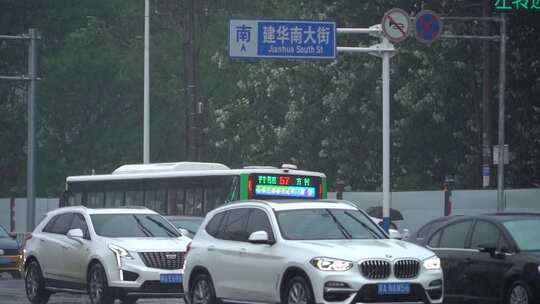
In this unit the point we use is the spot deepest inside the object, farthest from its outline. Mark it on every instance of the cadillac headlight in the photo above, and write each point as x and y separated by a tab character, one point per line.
329	264
433	263
120	254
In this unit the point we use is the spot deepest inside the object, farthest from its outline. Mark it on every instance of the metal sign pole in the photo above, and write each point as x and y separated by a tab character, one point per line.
384	50
146	128
502	83
386	135
32	79
31	161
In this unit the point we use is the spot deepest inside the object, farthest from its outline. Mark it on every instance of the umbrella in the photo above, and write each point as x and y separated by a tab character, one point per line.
376	211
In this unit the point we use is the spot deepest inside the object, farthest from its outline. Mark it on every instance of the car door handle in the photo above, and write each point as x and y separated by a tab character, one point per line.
42	240
468	261
243	251
211	248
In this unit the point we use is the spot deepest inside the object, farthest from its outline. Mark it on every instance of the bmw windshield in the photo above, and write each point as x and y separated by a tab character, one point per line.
326	224
132	225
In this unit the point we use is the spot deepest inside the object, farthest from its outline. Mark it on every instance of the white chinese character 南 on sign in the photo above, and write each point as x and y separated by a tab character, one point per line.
243	35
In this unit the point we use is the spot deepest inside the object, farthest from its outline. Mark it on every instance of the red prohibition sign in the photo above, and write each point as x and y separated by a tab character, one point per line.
395	25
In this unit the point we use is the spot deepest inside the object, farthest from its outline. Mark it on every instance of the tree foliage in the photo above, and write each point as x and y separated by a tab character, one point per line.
321	115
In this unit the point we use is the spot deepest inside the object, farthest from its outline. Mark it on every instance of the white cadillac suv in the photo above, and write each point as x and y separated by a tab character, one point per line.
304	253
112	254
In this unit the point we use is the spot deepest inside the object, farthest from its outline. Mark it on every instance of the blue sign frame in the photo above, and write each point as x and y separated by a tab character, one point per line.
282	39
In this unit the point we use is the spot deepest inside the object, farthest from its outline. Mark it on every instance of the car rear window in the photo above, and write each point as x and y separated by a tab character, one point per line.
525	233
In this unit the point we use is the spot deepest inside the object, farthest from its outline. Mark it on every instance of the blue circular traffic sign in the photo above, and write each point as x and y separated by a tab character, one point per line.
428	26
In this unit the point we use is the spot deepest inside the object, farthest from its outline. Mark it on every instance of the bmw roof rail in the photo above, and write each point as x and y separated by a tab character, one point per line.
134	207
247	201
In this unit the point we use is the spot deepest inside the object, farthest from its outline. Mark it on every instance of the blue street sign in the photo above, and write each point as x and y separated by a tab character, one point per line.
428	26
287	39
486	171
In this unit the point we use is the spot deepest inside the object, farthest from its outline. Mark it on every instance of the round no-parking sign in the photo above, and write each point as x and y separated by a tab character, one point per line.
396	25
428	26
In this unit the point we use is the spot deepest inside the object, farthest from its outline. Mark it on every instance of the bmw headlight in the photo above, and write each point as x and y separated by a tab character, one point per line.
432	263
329	264
120	253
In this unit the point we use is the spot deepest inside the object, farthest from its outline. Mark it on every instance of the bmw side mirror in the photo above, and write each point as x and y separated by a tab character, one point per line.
185	232
12	235
260	237
76	235
394	234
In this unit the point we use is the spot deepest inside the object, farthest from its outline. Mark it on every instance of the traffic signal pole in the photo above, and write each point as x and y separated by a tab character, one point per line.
384	50
31	79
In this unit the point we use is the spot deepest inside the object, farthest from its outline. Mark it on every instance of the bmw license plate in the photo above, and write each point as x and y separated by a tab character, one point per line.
394	289
4	261
170	278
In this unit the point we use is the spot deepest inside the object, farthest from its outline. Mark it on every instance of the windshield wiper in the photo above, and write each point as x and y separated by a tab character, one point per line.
169	231
145	230
363	224
341	228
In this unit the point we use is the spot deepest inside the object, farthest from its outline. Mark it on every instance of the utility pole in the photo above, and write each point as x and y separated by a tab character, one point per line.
194	108
502	85
32	78
32	109
146	131
487	96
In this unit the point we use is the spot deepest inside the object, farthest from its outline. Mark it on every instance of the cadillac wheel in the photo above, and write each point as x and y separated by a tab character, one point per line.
98	290
34	284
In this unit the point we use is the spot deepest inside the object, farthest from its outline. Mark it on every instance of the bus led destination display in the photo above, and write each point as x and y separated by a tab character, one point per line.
292	186
285	191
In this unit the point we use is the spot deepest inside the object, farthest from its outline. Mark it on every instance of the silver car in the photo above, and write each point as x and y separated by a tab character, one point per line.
111	254
305	252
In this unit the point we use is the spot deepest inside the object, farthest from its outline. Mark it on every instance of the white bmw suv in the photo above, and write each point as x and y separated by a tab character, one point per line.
304	253
112	254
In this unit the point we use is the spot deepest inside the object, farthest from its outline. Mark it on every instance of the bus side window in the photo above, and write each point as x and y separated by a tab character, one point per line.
118	199
134	198
171	202
109	199
77	198
194	201
180	201
234	190
161	204
150	199
92	200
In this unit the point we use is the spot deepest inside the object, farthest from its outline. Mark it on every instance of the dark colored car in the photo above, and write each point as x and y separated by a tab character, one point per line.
10	257
489	258
418	235
189	224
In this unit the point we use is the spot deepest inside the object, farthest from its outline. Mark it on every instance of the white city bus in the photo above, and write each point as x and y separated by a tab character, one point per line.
191	188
